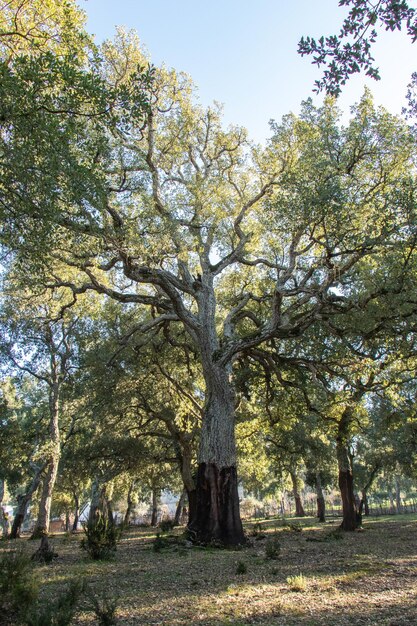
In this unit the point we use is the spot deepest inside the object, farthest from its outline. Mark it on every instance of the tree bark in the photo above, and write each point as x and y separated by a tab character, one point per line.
4	517
188	479
217	516
180	507
156	494
23	503
351	519
97	505
44	512
321	505
398	505
364	505
108	501
130	503
76	512
299	509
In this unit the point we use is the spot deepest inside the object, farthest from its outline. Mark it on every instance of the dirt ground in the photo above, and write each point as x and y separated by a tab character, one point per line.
320	577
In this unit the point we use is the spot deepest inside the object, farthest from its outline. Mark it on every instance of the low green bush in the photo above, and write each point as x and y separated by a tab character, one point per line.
272	547
101	538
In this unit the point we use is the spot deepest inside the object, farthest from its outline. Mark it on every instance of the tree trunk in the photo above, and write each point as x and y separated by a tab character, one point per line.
180	507
23	503
76	512
351	519
4	517
398	494
321	505
108	501
184	453
364	506
130	504
217	516
44	512
299	509
188	480
97	505
156	494
45	553
364	500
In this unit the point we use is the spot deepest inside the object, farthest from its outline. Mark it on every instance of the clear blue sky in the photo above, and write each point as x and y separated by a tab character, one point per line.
244	53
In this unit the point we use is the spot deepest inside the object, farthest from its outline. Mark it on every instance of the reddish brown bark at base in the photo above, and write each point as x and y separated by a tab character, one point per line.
217	516
351	518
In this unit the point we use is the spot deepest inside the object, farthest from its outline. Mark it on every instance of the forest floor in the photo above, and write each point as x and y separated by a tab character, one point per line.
366	577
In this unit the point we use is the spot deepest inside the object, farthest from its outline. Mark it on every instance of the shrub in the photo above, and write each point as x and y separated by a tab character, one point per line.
272	547
297	583
159	543
293	527
257	531
166	525
104	608
101	538
58	613
19	596
18	587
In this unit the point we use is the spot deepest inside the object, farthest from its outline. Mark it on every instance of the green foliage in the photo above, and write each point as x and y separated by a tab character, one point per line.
257	531
61	611
104	608
293	527
101	538
350	52
160	543
241	568
18	587
272	547
166	525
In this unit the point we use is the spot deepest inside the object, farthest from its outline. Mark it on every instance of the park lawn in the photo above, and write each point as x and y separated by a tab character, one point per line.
366	577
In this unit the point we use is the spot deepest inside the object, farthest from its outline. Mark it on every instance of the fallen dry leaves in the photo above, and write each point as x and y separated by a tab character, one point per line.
363	578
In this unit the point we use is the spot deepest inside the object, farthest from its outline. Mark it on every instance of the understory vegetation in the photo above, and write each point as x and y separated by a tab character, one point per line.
366	577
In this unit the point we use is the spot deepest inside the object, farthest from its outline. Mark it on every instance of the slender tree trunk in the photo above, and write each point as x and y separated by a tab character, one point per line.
4	517
398	494
180	507
217	516
363	505
351	519
130	503
321	505
299	509
188	480
76	512
108	501
23	503
156	494
391	502
44	512
184	454
67	521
